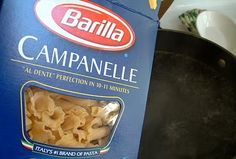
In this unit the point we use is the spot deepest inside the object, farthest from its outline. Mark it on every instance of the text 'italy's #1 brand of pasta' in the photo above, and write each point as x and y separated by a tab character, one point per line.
86	23
74	77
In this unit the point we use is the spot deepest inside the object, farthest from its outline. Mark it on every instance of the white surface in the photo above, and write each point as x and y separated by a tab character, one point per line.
218	28
171	21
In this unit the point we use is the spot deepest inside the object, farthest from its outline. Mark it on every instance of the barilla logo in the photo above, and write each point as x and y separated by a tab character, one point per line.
85	23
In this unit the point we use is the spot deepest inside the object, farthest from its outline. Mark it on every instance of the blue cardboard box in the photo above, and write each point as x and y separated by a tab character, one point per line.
74	77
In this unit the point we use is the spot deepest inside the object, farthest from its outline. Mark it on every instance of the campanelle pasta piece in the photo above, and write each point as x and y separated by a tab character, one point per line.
29	93
37	90
96	130
112	107
103	141
81	102
41	102
69	140
75	118
64	104
55	120
98	133
81	135
27	98
97	112
79	111
28	123
93	144
59	133
73	122
39	132
112	113
28	113
94	123
68	123
110	119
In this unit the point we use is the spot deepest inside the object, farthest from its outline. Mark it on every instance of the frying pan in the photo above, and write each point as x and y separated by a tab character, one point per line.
191	113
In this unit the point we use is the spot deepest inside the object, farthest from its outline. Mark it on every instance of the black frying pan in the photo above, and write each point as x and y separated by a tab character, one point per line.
191	112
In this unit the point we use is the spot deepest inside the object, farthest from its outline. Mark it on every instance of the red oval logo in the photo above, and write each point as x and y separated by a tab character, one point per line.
86	23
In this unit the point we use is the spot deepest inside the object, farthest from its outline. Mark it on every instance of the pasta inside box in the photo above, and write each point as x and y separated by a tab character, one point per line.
67	121
75	77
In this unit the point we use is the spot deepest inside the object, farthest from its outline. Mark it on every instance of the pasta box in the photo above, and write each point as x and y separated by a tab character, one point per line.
75	77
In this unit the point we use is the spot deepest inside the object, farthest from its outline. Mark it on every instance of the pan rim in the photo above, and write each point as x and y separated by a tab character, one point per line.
198	37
